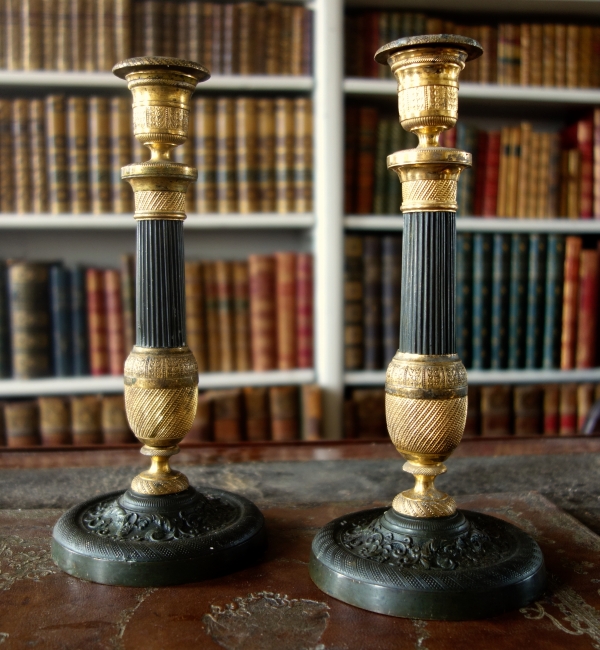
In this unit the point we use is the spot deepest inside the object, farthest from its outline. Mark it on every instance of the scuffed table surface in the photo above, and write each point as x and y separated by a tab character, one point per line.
274	605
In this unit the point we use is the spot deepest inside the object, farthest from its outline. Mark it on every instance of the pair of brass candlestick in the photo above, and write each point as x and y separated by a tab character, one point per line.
420	558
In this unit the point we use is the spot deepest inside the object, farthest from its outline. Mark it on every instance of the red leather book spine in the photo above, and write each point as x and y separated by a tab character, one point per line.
97	334
114	322
585	145
492	166
570	303
588	310
481	172
285	300
304	310
262	312
366	160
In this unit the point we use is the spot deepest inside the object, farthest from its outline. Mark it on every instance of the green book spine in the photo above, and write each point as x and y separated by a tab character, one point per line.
553	301
464	296
517	313
535	301
500	301
381	171
482	299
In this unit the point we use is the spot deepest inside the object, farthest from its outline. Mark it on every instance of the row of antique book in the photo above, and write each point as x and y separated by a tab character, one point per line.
63	155
522	301
241	315
278	413
527	54
227	38
500	410
517	171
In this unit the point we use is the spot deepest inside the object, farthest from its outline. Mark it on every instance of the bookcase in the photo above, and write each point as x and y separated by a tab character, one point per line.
97	239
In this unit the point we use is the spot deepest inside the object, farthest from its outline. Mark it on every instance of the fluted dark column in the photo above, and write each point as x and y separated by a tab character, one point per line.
160	284
428	283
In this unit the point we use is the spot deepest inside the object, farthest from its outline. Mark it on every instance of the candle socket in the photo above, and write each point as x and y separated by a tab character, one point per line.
423	558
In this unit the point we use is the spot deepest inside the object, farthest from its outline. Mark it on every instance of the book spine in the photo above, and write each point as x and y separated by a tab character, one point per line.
96	321
560	57
568	410
194	313
473	421
205	145
21	420
551	409
227	423
585	401
262	311
123	16
241	316
100	150
266	155
584	66
77	144
273	38
105	58
391	281
284	154
79	330
585	146
491	178
217	39
572	56
246	154
190	23
31	34
5	367
482	280
587	319
517	314
370	413
226	176
58	165
500	301
127	279
12	34
207	35
464	298
114	322
367	123
151	27
553	300
350	158
29	320
256	408
535	301
596	163
570	302
224	282
247	13
259	40
230	39
7	188
65	31
211	303
528	410
303	153
120	153
312	412
548	62
381	172
39	170
353	303
496	410
297	37
304	310
284	405
168	27
55	421
372	327
285	50
86	420
60	313
22	156
285	309
115	428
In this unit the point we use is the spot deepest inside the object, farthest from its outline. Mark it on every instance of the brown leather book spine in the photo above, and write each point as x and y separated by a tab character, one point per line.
284	406
496	411
568	410
585	401
55	421
572	56
535	191
537	55
127	277
22	156
90	35
96	317
285	300
528	410
513	171
65	30
78	150
227	415
32	34
230	53
297	39
114	322
191	12
266	155
120	153
488	37
303	155
570	302
100	150
256	409
86	419
312	412
123	32
523	181
259	40
194	313
353	303
560	55
372	325
350	423
247	154
168	27
12	34
205	146
262	312
549	56
247	21
7	187
56	146
39	167
115	428
365	164
21	422
152	27
213	344
526	72
370	413
350	158
226	180
284	154
587	318
207	35
584	68
595	78
473	421
551	409
202	429
105	33
273	38
304	310
241	314
137	37
224	281
217	38
285	50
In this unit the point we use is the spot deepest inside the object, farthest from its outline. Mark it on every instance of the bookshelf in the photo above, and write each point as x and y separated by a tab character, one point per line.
321	232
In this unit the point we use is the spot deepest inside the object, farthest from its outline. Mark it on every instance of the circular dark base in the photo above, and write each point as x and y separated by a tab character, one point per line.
461	567
136	540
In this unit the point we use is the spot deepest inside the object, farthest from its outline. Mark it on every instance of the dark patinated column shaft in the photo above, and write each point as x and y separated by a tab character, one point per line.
428	283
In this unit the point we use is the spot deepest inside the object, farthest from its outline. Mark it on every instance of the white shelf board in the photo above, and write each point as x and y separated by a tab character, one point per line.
486	92
91	80
482	224
127	222
114	384
485	377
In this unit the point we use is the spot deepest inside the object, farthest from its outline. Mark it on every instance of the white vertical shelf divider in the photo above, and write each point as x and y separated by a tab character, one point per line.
329	207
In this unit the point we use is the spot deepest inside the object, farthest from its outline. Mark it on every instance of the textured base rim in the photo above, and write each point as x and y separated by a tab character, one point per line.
384	597
187	563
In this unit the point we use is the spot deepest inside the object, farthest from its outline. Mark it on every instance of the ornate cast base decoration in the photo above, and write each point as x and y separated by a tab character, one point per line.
140	540
464	566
